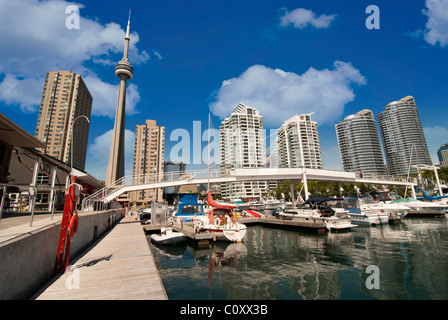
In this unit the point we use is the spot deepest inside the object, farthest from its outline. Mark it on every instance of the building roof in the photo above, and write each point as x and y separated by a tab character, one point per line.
15	136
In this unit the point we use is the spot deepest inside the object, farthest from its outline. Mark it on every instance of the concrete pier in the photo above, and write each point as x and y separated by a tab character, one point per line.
119	267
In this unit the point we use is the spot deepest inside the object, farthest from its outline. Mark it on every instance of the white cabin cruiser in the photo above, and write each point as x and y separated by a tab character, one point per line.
396	211
321	209
271	205
363	215
418	206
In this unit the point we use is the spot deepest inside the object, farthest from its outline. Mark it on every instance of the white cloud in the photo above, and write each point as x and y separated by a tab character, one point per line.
35	39
437	25
435	137
278	94
98	154
301	18
23	92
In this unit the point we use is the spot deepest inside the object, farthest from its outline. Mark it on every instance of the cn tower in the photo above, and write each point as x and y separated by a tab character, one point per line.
124	71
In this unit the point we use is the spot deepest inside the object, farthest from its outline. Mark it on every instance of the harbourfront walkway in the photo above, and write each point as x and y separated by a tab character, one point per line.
119	267
16	225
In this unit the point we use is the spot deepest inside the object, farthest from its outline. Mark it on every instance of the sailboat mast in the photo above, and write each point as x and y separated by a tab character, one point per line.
208	160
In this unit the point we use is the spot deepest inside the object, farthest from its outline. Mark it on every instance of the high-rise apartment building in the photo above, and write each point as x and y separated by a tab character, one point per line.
298	143
402	134
442	154
243	145
359	144
65	98
149	153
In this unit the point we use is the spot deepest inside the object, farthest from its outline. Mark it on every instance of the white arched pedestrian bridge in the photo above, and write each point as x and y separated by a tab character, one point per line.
172	179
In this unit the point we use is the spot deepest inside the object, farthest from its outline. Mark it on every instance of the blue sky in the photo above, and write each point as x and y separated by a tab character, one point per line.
195	57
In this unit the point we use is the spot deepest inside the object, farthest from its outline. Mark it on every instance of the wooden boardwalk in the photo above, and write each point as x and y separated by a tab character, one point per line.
119	267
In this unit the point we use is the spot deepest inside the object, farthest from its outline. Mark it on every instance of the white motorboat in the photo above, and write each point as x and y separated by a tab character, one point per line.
416	207
256	205
396	211
271	205
363	215
422	207
320	209
168	236
221	222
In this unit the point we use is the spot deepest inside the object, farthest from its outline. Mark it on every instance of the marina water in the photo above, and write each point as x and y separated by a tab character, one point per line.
282	264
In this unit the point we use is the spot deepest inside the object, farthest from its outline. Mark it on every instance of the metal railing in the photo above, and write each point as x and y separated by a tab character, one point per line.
95	201
371	176
89	201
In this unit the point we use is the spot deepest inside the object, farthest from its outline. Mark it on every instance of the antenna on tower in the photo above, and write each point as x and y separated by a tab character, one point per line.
129	22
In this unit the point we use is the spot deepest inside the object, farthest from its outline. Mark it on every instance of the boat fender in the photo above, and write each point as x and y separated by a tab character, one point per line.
73	226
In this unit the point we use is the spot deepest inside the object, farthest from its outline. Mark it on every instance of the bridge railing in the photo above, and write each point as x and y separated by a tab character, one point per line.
98	196
371	176
90	202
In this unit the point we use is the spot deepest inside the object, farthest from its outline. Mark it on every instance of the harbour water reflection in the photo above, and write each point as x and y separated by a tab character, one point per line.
279	264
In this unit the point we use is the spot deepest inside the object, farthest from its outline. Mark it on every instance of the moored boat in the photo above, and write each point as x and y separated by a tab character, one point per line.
383	202
418	207
188	208
168	236
318	209
145	216
362	215
271	205
221	222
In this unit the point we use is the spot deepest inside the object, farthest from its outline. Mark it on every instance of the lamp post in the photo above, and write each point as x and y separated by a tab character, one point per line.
71	142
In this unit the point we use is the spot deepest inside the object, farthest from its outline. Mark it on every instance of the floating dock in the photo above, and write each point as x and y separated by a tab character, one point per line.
206	237
310	224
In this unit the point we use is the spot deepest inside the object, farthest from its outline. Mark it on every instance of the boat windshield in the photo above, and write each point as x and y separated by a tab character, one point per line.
190	208
366	199
381	196
395	197
351	203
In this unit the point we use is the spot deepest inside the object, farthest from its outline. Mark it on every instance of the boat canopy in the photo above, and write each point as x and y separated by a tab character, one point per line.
429	198
189	205
189	198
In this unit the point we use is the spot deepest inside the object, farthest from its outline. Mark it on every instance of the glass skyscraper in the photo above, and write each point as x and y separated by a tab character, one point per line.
359	144
402	135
